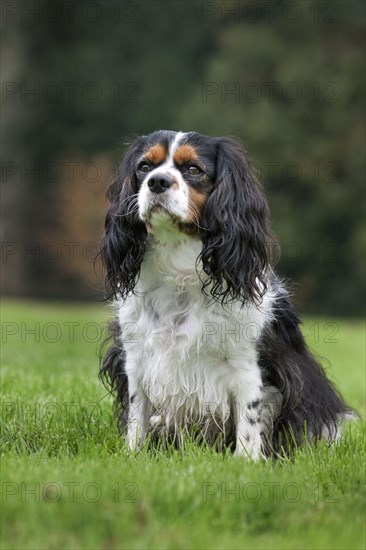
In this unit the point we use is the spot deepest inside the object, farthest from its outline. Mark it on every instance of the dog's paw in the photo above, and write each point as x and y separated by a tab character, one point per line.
156	422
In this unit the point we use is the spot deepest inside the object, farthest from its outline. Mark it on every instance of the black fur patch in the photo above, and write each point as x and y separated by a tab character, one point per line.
112	372
309	399
237	242
254	404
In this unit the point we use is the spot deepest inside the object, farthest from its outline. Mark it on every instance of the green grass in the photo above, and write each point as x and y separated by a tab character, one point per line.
68	480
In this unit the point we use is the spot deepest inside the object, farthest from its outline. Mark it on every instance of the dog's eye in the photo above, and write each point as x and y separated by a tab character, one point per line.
194	170
144	167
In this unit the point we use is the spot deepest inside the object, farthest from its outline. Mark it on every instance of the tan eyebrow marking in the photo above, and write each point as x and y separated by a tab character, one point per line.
185	153
156	154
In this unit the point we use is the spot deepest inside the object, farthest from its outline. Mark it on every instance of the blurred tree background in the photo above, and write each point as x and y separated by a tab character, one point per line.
80	79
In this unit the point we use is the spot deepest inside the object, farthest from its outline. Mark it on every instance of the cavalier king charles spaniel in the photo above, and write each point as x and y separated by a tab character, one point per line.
206	341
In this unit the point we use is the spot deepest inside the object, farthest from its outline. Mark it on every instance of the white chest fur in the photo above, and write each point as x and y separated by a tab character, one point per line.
186	353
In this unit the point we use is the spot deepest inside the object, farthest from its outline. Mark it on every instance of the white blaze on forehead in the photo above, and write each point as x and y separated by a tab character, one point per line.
168	164
173	147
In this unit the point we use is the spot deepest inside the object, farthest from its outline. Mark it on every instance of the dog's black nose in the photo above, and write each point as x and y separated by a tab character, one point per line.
159	183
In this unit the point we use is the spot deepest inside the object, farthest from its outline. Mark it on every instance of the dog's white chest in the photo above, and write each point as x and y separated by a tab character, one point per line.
185	353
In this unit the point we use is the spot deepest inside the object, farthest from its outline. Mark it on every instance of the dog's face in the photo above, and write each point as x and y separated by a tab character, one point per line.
175	175
203	187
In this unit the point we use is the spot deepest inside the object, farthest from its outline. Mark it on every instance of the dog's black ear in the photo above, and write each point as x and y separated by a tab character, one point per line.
237	239
122	247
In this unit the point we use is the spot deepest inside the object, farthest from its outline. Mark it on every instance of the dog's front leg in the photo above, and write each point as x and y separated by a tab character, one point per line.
247	404
248	433
138	419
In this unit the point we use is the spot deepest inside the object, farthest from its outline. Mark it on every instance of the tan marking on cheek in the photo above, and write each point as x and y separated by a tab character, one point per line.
185	153
196	204
156	154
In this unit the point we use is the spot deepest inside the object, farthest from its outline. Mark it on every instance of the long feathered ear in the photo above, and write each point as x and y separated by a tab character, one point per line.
237	239
122	247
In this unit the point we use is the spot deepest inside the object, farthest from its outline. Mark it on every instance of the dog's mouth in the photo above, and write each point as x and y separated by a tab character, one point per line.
158	215
157	210
159	218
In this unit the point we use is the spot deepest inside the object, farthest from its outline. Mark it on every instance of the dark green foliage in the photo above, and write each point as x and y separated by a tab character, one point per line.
298	107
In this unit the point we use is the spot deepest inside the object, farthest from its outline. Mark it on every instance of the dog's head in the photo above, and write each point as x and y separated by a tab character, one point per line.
202	187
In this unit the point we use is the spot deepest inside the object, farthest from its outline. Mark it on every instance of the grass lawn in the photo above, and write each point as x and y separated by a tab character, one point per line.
68	480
